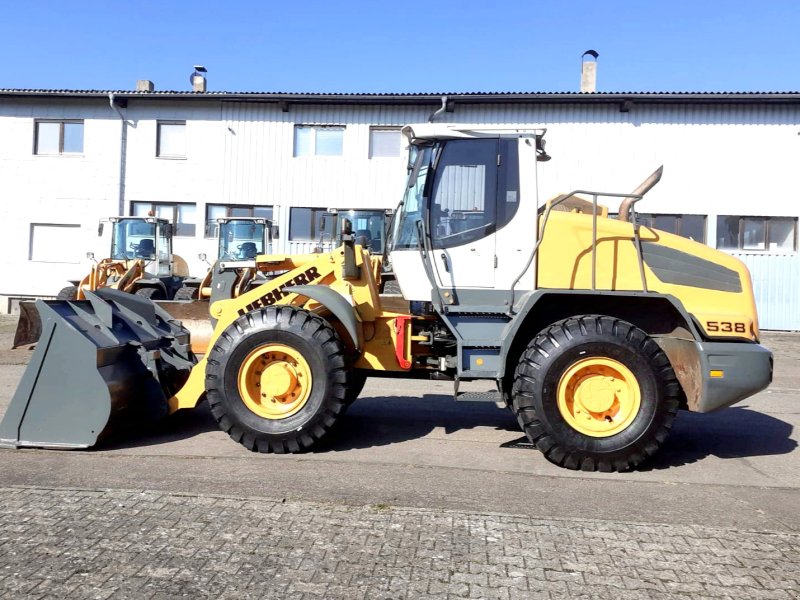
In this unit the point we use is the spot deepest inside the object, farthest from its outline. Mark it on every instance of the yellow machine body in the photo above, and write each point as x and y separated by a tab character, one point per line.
384	337
565	263
117	274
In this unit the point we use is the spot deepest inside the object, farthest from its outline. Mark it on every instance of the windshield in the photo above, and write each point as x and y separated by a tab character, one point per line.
241	240
133	238
404	232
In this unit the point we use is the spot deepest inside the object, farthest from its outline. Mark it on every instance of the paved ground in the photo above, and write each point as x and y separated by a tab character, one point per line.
133	544
415	497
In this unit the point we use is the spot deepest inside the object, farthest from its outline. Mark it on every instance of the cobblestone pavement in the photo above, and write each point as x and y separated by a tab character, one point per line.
62	543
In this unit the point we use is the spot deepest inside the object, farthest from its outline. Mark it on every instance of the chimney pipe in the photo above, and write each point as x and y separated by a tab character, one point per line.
144	85
198	83
589	72
198	79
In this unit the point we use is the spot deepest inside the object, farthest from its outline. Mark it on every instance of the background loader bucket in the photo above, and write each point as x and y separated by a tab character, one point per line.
102	362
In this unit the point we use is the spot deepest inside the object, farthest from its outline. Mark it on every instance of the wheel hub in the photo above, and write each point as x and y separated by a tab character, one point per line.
274	381
278	380
598	397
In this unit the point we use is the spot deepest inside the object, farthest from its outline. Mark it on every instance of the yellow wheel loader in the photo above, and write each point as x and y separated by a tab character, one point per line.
593	330
140	262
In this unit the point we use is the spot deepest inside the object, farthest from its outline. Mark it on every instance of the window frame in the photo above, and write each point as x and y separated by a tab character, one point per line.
501	172
251	207
385	128
161	122
31	237
767	221
61	123
316	213
679	219
173	219
315	129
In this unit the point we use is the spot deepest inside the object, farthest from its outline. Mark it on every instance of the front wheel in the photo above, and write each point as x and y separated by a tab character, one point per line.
276	379
595	393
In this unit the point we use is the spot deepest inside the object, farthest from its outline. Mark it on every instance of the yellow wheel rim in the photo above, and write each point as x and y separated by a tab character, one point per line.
274	381
599	397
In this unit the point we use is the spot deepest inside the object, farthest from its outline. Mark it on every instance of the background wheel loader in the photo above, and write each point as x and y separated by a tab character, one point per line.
239	240
593	331
140	261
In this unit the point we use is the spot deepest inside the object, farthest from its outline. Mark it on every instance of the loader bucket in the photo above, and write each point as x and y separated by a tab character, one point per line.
110	360
29	326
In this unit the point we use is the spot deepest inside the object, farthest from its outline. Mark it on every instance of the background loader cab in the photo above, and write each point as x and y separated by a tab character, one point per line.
243	238
147	238
369	227
239	241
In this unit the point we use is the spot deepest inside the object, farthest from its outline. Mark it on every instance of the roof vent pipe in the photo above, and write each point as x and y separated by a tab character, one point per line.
589	72
198	79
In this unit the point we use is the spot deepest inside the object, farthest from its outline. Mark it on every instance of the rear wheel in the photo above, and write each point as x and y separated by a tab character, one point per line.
276	379
68	293
151	293
595	393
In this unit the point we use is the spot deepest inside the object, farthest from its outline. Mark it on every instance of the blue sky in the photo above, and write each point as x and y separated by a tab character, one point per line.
437	46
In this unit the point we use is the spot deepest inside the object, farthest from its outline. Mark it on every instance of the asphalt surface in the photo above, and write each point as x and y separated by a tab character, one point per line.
405	455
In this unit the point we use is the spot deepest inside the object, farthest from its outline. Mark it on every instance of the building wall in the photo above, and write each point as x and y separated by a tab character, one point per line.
719	160
53	190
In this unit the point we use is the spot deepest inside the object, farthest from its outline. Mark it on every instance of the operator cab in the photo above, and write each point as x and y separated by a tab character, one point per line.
146	238
467	219
368	225
243	238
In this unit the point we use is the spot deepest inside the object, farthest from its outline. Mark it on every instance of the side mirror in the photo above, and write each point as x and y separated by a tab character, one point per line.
169	230
202	256
276	232
99	229
322	222
347	227
90	256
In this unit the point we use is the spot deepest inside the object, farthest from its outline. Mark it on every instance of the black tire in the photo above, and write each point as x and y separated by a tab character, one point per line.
356	384
549	357
186	292
68	293
312	338
391	287
151	293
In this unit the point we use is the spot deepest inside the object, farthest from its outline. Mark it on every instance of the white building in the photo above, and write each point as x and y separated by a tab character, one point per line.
69	158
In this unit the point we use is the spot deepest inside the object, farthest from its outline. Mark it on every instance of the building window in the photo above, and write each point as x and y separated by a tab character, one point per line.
318	140
775	234
58	137
171	139
310	224
183	216
385	142
692	227
227	211
55	243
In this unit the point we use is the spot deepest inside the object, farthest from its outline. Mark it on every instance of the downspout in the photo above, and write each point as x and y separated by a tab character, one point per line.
123	147
438	110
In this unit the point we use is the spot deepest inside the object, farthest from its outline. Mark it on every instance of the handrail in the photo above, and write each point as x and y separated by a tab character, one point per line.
595	195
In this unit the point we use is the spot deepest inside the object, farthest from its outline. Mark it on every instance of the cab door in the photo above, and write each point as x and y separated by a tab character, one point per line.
461	214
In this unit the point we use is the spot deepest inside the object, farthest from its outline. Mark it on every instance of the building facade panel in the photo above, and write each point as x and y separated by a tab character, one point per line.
722	162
